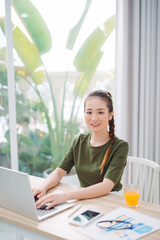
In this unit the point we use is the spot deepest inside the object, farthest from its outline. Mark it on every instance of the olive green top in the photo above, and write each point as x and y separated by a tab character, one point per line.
87	161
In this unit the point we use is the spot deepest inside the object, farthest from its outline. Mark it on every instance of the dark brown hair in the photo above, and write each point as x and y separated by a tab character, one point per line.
105	96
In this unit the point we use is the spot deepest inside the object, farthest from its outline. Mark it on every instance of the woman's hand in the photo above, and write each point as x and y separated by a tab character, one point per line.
39	192
52	180
51	199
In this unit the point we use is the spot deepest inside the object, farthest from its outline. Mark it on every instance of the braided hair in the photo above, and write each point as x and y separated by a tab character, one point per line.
106	96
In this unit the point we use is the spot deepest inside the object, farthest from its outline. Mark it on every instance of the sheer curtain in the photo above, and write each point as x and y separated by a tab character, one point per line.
137	77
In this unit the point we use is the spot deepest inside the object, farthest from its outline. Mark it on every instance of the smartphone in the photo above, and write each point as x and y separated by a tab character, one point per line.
85	217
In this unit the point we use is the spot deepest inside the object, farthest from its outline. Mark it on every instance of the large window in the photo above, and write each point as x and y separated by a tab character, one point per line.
4	116
62	50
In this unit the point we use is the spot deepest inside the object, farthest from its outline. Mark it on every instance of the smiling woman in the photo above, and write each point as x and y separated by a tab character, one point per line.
99	157
100	103
97	116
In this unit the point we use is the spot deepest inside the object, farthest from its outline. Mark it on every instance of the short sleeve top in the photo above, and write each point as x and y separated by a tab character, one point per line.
87	160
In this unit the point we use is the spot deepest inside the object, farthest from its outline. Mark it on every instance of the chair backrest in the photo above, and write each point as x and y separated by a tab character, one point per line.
145	173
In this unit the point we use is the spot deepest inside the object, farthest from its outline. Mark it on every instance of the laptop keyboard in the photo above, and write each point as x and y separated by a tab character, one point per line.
42	212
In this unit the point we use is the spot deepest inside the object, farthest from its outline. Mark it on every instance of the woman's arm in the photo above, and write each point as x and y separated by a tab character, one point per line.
93	191
52	180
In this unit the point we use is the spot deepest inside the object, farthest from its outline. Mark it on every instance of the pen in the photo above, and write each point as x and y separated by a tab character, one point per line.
76	208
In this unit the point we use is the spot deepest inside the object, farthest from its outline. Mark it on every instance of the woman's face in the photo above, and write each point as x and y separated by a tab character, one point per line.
97	114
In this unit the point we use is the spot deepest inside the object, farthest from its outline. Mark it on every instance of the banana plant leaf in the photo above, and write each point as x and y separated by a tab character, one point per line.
34	24
84	80
93	45
73	33
28	53
90	54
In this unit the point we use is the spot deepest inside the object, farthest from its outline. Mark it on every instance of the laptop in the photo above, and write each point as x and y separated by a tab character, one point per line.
16	195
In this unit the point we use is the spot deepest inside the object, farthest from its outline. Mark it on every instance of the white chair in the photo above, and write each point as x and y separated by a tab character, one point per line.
145	173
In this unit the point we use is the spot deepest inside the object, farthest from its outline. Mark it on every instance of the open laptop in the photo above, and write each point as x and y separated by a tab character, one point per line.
16	195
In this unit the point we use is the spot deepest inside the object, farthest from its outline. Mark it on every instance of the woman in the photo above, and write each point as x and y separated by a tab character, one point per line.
99	157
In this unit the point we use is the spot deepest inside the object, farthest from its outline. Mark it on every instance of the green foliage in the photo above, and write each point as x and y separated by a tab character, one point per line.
89	55
38	150
34	24
73	33
28	53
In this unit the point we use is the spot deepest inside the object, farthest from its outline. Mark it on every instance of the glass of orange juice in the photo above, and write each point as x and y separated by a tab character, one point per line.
132	193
